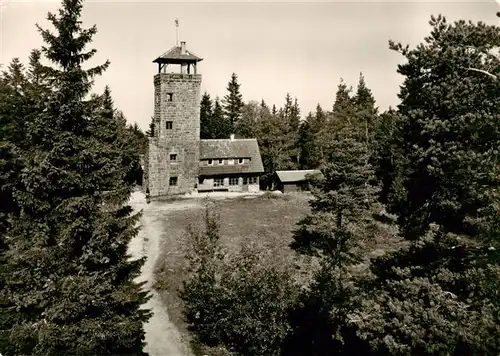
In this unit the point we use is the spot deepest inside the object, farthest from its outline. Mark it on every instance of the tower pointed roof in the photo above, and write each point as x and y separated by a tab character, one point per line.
178	55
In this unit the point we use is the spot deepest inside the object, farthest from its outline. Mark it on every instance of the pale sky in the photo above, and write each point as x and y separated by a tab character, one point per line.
303	48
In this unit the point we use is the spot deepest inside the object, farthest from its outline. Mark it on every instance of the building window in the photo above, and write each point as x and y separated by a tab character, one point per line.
169	125
170	96
252	180
173	157
218	182
230	161
240	160
172	181
233	181
210	162
245	180
221	161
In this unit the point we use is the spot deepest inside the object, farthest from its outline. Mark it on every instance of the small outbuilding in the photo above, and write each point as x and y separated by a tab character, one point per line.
297	180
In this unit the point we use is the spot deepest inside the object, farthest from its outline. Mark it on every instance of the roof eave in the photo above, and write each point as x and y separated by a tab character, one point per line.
177	60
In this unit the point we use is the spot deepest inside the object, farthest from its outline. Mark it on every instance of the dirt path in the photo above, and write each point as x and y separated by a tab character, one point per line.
162	337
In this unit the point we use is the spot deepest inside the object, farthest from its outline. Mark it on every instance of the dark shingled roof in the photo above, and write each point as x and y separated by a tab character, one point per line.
296	176
174	56
227	148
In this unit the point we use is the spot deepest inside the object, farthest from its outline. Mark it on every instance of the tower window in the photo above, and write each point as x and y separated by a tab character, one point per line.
170	96
221	161
173	157
210	162
169	125
240	160
172	181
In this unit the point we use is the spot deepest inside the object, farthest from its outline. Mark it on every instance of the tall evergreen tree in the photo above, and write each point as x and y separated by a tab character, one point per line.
307	145
341	199
342	203
343	115
365	109
221	125
206	116
233	102
445	282
388	158
315	137
451	130
344	108
290	115
66	271
274	111
150	132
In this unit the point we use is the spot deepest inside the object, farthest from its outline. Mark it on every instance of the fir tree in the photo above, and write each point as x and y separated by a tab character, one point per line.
221	124
290	115
233	102
342	199
342	203
150	132
306	145
344	108
365	108
274	111
66	271
206	117
314	136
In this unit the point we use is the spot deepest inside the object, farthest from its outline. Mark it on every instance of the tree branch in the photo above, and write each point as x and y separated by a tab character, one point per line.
484	72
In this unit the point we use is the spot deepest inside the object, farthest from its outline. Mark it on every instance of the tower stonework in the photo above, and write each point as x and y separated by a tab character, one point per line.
173	158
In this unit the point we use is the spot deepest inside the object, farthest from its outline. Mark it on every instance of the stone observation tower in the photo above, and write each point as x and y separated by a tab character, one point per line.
172	162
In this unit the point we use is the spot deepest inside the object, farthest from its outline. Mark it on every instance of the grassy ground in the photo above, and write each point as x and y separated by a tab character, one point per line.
268	220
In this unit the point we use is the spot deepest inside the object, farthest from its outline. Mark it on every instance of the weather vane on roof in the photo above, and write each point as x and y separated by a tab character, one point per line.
176	22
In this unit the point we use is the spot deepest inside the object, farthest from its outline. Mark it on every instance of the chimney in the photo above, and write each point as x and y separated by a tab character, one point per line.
183	47
232	137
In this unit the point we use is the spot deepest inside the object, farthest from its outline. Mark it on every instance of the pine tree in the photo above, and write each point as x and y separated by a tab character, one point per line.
66	271
451	130
233	102
445	281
